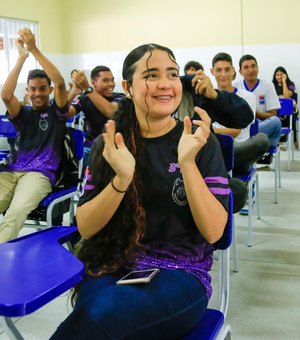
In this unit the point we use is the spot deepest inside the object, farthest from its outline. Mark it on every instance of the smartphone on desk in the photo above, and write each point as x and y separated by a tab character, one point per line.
138	276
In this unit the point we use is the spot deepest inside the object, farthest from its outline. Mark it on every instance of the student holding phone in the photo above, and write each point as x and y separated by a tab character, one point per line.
156	198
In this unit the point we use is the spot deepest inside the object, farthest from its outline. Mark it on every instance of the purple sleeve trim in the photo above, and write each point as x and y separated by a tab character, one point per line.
219	191
217	179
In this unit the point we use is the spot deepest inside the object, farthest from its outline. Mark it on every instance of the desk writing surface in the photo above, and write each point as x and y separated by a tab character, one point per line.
35	269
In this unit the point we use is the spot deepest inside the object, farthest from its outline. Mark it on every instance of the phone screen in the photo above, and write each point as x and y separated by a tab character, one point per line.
138	276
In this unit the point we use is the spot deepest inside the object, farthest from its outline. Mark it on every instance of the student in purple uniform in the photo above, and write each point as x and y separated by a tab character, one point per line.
29	178
158	198
98	102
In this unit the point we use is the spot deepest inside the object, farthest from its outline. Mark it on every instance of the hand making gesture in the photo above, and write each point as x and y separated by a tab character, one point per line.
116	153
27	39
191	143
203	85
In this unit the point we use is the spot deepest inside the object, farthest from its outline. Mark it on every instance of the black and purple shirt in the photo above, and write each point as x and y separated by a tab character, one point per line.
94	119
172	239
41	134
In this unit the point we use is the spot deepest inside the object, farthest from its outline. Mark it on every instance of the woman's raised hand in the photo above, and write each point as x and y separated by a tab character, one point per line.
191	143
116	153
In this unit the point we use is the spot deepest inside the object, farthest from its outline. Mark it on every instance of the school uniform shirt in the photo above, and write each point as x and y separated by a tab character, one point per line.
251	100
40	140
264	91
172	239
94	120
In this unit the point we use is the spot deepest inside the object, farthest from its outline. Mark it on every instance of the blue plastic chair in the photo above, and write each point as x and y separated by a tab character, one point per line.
7	130
251	178
213	324
287	109
43	213
227	144
37	270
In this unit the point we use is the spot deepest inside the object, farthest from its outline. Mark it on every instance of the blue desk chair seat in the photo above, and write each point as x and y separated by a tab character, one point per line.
209	327
37	269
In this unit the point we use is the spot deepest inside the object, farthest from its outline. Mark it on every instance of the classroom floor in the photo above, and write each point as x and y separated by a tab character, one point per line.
264	295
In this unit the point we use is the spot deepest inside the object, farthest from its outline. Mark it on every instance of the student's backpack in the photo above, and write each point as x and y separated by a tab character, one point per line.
67	173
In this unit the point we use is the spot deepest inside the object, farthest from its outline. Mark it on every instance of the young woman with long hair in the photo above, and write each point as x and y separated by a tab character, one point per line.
156	197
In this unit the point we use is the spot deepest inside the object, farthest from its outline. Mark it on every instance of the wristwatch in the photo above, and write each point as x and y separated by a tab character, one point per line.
89	89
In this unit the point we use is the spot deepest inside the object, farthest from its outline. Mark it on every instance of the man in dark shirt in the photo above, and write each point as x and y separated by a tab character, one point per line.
29	178
222	106
98	102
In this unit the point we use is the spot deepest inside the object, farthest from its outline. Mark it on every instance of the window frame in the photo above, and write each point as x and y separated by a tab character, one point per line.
9	28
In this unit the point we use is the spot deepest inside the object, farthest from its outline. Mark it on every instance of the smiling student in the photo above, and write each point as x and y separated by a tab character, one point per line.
29	178
267	102
157	198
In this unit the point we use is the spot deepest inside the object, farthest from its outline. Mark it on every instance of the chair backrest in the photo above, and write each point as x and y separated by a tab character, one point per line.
7	128
295	97
286	107
225	241
226	143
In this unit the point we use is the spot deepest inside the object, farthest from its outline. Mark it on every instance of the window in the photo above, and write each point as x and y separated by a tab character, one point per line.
9	29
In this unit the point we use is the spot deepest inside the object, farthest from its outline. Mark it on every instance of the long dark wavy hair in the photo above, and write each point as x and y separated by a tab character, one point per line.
114	246
283	70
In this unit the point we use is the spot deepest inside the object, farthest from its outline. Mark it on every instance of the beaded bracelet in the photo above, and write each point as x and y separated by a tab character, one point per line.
117	190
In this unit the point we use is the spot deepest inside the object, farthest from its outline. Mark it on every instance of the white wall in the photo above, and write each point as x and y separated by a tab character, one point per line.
268	58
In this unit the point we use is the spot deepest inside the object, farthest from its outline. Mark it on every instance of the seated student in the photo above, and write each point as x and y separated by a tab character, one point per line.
285	88
74	90
28	179
98	102
192	66
222	106
247	150
157	199
267	102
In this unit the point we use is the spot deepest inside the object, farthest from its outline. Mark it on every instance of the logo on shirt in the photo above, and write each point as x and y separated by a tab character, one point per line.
173	167
261	99
43	124
178	192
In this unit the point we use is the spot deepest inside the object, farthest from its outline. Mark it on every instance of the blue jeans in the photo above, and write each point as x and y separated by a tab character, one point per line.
166	308
272	128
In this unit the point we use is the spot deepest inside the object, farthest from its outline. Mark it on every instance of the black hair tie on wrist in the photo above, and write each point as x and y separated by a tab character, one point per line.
117	190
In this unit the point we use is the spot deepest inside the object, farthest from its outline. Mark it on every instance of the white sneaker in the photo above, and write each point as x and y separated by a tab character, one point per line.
245	210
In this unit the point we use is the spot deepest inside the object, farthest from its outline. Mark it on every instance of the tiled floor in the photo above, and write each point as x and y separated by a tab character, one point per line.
265	294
